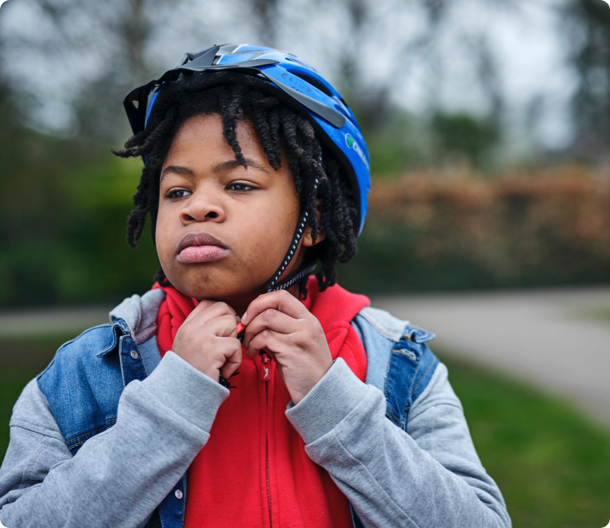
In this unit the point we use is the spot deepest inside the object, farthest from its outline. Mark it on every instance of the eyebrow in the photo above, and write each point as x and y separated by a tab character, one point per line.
223	166
234	164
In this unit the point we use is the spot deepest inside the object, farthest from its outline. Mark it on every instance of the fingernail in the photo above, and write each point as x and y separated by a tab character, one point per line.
243	317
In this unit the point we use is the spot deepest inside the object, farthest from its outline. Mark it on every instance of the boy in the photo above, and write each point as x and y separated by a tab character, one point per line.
255	172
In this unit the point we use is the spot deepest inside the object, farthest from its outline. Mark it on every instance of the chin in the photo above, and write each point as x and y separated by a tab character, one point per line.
225	294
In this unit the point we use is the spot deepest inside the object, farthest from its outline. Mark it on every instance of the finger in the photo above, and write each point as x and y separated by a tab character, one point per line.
273	320
199	308
279	300
268	341
223	325
209	311
233	361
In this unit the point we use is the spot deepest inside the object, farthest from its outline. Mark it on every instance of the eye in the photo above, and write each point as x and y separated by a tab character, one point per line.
175	194
240	187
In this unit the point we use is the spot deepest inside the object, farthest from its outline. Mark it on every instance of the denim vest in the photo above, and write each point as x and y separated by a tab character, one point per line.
86	378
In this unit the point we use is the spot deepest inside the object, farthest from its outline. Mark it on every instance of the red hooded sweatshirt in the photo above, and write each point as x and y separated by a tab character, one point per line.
254	470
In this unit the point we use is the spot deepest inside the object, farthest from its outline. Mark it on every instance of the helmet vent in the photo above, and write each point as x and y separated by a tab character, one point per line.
314	82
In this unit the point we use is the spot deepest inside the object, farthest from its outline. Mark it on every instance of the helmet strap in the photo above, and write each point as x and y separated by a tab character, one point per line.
304	270
274	285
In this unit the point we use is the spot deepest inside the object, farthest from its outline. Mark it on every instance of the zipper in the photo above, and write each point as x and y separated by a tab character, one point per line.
267	454
265	376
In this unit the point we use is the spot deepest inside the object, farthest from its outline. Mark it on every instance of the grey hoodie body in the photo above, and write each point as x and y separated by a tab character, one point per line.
428	477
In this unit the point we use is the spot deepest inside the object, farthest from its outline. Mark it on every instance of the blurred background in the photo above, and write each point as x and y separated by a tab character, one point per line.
488	124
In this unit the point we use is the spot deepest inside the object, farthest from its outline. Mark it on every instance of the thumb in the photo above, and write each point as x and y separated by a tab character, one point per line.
232	363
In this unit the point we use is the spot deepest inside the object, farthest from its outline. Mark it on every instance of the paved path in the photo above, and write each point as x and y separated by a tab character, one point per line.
23	323
556	339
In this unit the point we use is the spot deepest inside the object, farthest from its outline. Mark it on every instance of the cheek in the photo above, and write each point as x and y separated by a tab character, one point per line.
282	222
269	234
162	236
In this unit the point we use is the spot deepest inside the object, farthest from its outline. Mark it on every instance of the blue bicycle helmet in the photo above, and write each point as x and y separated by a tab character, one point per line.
296	82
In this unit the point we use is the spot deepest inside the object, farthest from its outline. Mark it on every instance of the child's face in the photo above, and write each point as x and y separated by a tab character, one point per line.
251	213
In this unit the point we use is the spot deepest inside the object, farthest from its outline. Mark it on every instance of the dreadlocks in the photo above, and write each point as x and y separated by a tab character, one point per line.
241	97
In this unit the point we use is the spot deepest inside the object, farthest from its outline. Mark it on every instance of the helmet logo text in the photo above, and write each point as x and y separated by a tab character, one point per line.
353	144
296	84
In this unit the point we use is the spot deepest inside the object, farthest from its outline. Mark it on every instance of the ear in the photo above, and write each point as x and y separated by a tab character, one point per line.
307	238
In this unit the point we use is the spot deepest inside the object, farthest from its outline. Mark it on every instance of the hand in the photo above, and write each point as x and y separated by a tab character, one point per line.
208	340
279	323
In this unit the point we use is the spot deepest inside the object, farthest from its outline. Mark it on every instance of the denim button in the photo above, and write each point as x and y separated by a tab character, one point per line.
179	494
134	354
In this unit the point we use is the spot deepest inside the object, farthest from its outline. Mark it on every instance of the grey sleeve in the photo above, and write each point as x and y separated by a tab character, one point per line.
132	466
430	477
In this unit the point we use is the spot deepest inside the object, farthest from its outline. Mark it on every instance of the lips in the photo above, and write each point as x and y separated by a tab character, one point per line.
200	247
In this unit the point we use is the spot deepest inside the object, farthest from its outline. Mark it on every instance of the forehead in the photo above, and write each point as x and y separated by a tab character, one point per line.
200	142
205	133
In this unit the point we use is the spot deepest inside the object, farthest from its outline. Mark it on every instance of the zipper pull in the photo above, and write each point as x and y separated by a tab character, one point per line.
265	370
241	332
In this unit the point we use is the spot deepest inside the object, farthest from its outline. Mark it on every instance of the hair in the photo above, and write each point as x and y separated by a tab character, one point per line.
237	97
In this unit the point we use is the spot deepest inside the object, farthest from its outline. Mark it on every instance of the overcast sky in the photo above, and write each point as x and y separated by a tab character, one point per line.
526	36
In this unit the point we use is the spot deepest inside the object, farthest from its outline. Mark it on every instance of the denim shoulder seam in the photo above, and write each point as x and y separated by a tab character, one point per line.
369	315
97	327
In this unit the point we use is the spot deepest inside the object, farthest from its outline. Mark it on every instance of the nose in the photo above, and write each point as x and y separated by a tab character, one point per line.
202	207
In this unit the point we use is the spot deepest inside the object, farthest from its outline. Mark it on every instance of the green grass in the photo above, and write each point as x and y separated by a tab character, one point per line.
551	463
20	361
599	314
603	315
